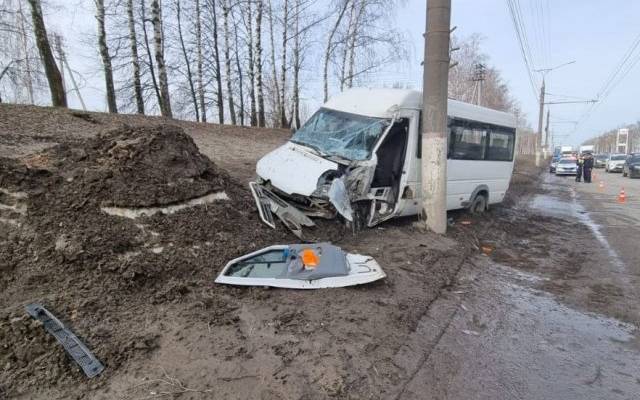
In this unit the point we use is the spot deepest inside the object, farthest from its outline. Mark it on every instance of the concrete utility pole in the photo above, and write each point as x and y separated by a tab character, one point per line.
540	117
434	114
479	75
546	135
544	72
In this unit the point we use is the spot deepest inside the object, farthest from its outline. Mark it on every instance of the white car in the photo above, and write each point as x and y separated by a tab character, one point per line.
566	166
615	163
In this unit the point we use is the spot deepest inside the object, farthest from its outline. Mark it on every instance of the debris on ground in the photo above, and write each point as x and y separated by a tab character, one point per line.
64	251
301	266
90	365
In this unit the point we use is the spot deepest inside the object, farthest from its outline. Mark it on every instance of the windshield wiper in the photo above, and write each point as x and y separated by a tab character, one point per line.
316	150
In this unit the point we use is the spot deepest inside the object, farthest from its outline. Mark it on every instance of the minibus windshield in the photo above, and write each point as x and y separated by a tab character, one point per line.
336	133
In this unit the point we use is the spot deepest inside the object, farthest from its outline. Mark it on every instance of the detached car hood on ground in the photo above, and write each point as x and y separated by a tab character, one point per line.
301	266
293	169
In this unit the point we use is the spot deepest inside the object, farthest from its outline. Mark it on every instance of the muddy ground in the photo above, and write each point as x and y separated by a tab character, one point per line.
141	294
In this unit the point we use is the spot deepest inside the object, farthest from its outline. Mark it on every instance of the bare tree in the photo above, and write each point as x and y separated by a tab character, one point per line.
147	47
187	61
330	47
462	80
56	87
227	59
199	72
284	123
345	48
259	85
368	42
217	72
253	119
241	111
106	58
296	67
158	37
135	60
352	40
25	49
3	72
274	74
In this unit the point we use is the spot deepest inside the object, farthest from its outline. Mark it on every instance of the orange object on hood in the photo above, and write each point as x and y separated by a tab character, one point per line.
310	258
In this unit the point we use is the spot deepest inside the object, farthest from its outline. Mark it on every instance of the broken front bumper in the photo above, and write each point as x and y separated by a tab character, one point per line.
270	203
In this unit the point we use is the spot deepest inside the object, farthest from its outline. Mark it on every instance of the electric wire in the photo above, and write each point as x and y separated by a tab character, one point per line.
626	64
523	44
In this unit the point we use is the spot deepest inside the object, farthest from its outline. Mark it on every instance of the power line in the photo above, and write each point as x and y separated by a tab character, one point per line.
523	43
617	75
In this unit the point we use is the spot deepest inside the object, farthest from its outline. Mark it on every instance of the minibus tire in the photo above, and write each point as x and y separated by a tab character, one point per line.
479	204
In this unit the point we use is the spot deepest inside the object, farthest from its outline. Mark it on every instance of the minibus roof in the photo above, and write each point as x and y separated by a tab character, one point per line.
382	103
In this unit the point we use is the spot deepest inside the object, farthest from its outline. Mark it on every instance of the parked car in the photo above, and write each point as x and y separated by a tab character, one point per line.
631	167
615	162
600	160
554	163
566	166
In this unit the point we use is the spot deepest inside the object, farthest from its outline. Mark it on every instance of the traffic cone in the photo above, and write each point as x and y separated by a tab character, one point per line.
601	186
622	197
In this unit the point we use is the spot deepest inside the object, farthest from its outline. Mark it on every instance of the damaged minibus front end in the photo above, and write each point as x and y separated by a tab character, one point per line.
326	170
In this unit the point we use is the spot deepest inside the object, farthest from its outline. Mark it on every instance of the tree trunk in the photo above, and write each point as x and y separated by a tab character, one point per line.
259	86
64	62
135	61
25	49
148	50
252	75
240	77
203	112
273	64
56	87
187	62
296	69
57	44
284	123
216	56
345	47
352	43
329	49
158	38
227	60
106	58
2	73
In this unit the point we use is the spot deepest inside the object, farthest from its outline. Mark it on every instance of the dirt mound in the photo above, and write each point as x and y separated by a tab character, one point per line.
161	163
100	272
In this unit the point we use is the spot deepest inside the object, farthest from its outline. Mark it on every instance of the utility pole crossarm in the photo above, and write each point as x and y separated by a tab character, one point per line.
572	102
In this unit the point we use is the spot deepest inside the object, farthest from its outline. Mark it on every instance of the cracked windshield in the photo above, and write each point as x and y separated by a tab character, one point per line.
341	134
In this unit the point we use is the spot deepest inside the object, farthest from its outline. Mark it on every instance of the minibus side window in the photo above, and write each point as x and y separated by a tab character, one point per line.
500	145
467	141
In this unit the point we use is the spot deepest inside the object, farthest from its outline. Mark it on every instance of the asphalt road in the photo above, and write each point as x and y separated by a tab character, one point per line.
619	222
547	333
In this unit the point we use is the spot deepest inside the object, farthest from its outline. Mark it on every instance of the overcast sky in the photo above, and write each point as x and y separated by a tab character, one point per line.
594	33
